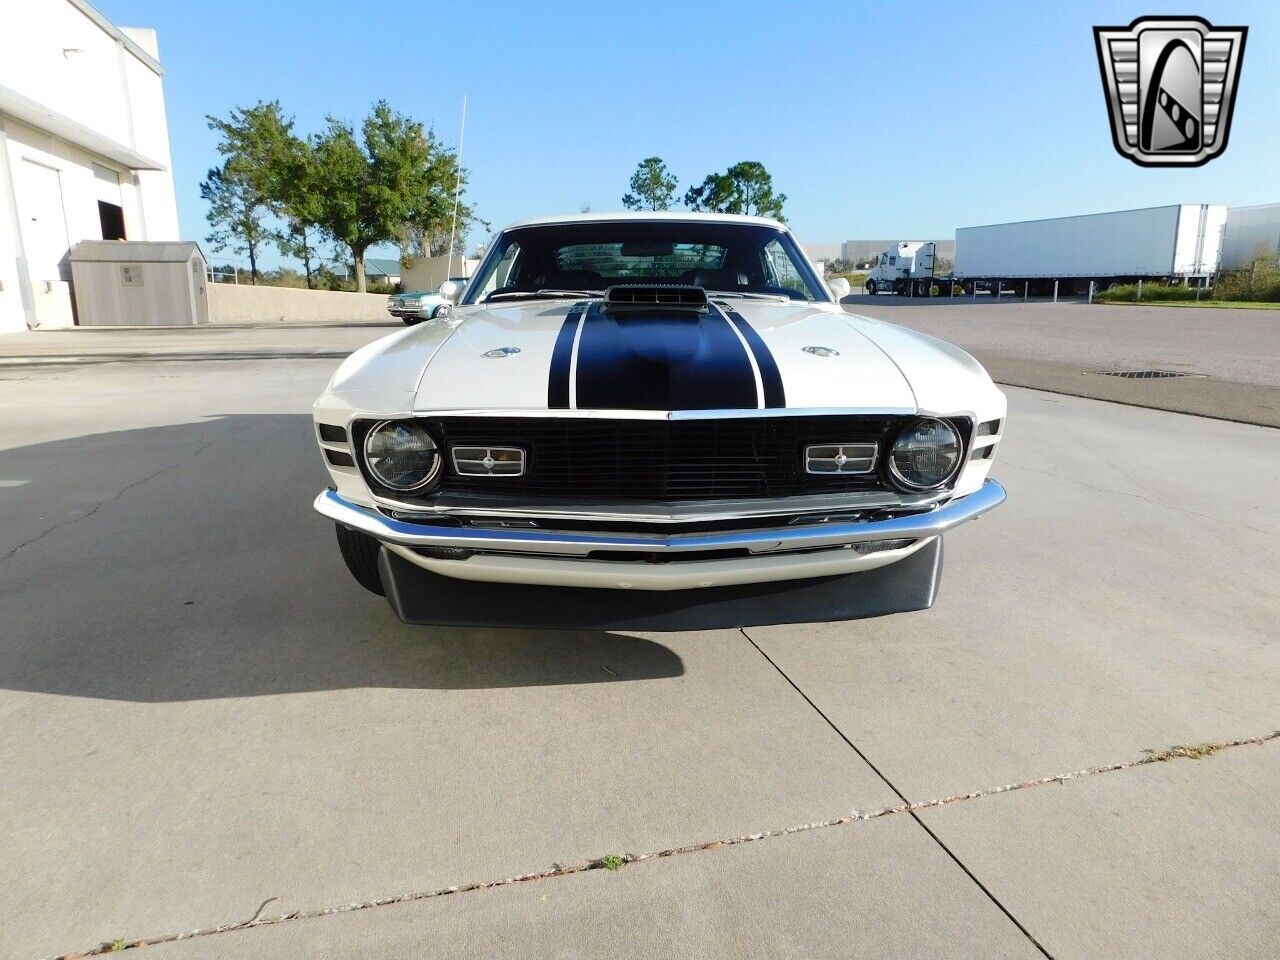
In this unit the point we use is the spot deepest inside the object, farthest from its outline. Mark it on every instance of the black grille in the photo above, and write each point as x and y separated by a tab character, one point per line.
660	459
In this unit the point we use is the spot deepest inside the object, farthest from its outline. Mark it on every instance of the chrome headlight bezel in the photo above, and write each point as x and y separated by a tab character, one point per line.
372	473
890	460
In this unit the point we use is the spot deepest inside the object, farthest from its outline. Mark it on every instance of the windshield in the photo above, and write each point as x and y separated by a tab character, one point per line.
738	259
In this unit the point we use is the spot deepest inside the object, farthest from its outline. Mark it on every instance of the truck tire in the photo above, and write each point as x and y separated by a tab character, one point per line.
871	287
901	288
360	553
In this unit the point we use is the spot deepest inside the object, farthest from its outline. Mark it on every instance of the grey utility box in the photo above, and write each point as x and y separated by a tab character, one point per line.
138	283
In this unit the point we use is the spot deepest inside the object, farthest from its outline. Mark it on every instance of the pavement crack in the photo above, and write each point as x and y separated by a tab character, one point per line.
908	806
102	503
613	861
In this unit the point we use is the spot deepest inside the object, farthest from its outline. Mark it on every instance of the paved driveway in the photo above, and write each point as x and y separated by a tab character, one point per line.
201	711
1230	358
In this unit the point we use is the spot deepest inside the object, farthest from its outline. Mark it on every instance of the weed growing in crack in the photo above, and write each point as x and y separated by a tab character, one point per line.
612	861
1190	751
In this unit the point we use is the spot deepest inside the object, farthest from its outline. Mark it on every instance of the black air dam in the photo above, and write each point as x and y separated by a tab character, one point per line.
420	597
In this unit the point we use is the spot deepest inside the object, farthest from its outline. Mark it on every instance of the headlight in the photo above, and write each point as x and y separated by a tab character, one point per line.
925	455
401	455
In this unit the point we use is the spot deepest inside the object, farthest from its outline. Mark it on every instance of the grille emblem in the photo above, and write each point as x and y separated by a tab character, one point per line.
500	352
488	461
843	458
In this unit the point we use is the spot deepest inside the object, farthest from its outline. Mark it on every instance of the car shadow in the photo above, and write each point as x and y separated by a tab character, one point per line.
184	562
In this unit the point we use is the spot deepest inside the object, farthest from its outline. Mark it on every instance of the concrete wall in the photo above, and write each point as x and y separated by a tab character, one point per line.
245	303
859	249
821	251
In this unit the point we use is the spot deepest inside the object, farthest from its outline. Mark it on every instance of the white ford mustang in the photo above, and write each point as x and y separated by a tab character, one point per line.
658	420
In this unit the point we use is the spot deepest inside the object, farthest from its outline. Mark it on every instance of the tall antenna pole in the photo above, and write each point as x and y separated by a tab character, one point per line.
457	188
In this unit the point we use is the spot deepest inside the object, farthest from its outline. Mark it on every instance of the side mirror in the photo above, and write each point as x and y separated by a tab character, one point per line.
451	290
839	287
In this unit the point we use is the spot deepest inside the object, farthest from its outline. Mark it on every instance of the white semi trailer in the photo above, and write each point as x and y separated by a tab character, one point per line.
1179	243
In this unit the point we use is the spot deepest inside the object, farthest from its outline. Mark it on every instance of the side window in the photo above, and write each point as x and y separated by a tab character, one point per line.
503	270
781	272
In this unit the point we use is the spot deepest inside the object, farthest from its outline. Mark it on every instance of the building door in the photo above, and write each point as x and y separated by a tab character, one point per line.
44	221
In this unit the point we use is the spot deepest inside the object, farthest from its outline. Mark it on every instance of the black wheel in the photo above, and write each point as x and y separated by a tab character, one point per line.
410	321
360	553
902	288
871	287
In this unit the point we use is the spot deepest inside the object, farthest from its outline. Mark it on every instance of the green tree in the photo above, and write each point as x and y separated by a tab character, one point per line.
653	187
428	229
278	166
745	187
368	190
236	212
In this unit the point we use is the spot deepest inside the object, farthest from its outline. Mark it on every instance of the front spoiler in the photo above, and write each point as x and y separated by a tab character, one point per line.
420	597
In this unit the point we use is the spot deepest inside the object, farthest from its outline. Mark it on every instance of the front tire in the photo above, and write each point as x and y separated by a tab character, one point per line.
360	553
871	288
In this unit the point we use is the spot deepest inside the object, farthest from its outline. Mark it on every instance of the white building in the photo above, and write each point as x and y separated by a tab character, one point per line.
84	149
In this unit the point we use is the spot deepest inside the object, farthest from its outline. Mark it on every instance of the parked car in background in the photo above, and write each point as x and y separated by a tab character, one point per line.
657	421
420	305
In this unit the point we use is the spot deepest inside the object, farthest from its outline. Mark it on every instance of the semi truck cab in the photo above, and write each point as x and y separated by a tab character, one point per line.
902	268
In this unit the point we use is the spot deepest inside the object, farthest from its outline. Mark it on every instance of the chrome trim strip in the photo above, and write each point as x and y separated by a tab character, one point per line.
916	526
681	511
680	414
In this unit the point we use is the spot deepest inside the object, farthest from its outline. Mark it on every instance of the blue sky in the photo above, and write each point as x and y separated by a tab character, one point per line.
876	120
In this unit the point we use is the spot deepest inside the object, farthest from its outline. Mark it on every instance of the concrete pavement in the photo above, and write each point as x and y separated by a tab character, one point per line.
202	711
1232	356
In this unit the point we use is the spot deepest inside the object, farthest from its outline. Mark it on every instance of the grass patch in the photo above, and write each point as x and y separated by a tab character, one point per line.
1186	751
1220	304
612	861
1128	293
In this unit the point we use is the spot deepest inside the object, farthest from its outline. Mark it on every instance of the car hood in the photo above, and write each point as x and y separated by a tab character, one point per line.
741	355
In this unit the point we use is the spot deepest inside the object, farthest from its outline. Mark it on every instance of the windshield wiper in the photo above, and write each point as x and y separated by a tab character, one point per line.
536	294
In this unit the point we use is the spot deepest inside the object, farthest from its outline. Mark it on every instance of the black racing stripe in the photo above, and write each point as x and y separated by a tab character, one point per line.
770	375
659	360
561	361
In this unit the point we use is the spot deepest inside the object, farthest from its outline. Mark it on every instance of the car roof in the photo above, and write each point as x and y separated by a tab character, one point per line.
668	216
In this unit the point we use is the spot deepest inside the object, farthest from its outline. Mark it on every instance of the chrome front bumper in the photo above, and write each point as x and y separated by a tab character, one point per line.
551	544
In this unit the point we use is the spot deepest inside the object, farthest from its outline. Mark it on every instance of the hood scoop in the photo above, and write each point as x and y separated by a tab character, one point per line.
645	298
